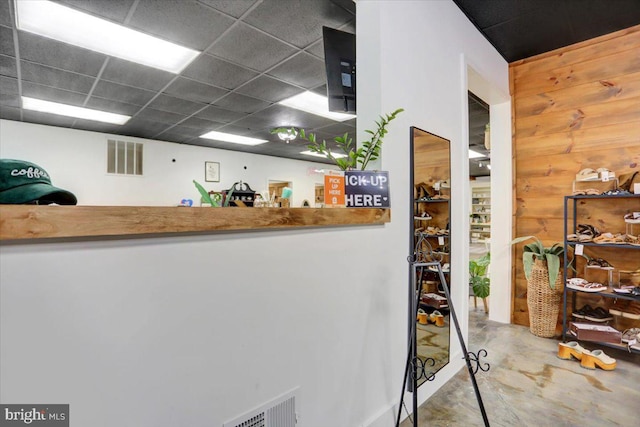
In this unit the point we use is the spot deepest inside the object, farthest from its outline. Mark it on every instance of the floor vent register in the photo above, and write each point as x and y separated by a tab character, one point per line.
279	412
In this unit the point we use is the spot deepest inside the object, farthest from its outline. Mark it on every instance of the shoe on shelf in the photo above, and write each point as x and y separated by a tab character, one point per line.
598	314
591	359
568	349
632	311
631	335
619	306
582	312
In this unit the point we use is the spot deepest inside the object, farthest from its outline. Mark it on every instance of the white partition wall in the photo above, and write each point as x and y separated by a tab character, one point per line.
196	330
419	62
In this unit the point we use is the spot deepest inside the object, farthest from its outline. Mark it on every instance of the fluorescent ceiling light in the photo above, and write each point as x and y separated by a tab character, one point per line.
67	25
73	111
313	153
475	155
315	104
236	139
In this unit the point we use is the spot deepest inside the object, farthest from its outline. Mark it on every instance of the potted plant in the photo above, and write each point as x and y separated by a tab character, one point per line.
478	279
542	271
356	158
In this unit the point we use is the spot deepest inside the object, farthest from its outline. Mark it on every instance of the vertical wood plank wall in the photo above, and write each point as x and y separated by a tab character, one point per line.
573	108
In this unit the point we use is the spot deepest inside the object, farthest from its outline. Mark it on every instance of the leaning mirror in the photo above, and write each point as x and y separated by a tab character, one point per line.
429	242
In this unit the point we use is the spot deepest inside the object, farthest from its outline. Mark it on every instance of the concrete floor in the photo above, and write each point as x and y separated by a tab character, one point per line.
527	385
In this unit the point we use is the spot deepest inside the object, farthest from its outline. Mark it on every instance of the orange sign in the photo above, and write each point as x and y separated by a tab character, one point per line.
334	189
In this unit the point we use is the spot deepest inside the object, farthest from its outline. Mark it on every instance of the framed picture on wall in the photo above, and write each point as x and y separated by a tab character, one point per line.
212	171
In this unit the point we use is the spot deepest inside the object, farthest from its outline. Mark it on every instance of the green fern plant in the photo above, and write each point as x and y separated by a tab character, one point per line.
356	157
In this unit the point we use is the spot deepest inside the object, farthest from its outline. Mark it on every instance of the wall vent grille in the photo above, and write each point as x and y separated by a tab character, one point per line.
124	157
279	412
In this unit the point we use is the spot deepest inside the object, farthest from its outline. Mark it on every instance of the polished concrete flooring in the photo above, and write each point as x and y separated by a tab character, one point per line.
527	385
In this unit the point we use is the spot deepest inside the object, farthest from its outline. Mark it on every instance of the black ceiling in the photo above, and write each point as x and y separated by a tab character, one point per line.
519	29
254	54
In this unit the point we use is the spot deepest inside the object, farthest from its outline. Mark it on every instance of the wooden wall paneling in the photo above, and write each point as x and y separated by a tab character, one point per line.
563	167
590	69
607	44
574	108
600	91
586	117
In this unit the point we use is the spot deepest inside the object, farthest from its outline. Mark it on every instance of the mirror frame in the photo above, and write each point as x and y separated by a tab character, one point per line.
414	292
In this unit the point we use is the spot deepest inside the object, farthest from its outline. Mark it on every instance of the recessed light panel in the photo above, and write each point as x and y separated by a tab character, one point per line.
68	25
315	104
313	153
475	155
236	139
72	111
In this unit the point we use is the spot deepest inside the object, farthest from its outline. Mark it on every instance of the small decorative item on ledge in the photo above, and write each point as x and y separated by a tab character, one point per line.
242	193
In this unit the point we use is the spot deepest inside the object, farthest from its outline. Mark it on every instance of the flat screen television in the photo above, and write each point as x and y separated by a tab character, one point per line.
340	64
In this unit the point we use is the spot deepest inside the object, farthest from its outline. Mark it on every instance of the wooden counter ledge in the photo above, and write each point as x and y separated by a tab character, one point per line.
43	222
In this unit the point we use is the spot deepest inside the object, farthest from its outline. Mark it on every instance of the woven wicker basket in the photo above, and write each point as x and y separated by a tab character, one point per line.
542	301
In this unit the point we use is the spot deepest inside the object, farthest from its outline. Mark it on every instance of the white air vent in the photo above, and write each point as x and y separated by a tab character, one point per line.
124	157
280	412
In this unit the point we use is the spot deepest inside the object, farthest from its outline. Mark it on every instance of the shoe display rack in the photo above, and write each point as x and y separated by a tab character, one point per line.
431	243
480	227
613	290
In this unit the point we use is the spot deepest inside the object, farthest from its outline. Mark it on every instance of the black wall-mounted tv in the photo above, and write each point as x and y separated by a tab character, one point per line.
340	64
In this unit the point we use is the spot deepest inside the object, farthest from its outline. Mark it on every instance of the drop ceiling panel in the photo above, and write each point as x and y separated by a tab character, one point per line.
316	49
60	55
202	125
269	88
6	41
47	119
126	94
157	115
217	72
251	48
184	131
5	14
278	116
241	103
53	77
142	127
175	105
297	22
187	23
8	86
52	94
302	69
136	75
94	126
218	115
194	91
9	113
8	66
234	8
112	106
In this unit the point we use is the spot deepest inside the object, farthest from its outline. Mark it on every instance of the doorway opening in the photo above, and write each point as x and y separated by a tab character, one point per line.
480	205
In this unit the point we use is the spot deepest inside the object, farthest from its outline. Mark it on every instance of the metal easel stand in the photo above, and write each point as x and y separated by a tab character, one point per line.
414	364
